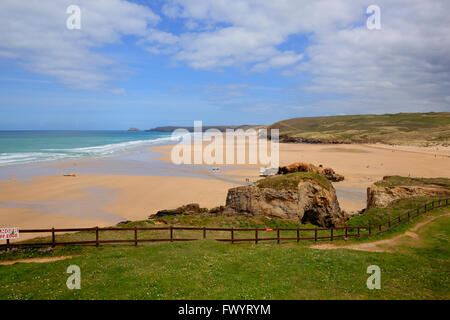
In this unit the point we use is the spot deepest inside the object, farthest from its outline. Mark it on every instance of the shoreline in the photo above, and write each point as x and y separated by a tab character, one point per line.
138	184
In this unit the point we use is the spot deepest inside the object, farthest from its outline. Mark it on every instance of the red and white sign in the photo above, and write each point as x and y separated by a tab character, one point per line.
9	233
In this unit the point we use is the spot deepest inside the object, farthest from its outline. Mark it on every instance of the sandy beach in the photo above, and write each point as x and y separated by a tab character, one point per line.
361	165
103	199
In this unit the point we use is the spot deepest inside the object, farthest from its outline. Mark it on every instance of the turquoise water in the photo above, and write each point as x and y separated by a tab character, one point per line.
18	147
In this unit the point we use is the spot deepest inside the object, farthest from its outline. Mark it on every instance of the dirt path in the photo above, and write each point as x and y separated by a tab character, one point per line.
34	260
380	245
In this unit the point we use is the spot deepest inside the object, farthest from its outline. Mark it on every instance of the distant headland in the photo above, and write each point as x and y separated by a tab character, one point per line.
204	128
420	129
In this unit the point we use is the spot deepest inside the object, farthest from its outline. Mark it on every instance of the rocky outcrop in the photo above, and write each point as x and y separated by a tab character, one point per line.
133	130
189	209
328	173
253	201
380	196
309	202
307	197
290	139
121	223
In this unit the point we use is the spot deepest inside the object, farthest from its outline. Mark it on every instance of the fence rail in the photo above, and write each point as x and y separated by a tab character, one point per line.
346	231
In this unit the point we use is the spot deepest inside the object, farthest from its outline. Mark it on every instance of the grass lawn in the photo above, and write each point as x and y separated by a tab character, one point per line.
207	269
374	216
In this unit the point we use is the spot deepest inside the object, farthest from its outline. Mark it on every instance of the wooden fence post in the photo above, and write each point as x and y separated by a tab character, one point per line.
411	214
96	236
53	237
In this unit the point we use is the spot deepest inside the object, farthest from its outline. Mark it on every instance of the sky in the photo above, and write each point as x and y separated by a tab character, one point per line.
153	63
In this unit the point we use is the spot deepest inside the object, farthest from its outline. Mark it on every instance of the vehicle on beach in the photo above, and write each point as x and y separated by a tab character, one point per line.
265	172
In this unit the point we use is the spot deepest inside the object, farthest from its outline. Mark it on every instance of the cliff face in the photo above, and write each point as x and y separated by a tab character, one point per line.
302	196
380	196
309	202
252	201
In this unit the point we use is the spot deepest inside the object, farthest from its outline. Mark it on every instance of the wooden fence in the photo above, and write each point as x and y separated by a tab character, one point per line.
259	234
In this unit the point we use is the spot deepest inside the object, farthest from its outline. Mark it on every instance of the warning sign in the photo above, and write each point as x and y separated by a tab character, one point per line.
9	233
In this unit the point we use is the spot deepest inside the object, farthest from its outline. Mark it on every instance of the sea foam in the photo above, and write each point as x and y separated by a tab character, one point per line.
71	153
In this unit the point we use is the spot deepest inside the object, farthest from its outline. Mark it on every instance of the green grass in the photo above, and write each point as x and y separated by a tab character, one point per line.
207	269
377	215
214	270
290	181
435	240
392	181
228	221
402	128
370	217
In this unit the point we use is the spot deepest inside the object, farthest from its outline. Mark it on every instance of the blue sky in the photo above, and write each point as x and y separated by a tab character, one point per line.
152	63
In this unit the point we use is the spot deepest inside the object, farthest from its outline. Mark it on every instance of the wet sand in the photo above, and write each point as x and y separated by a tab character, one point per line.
107	191
361	165
57	201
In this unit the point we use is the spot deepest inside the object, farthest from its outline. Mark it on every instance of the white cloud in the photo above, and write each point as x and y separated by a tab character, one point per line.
34	32
249	32
283	59
226	93
402	67
160	42
405	66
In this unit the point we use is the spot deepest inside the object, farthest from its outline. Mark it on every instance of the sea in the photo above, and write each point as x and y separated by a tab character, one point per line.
20	147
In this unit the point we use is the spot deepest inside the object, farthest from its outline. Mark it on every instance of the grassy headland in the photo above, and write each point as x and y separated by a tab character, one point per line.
393	181
204	128
290	181
402	128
